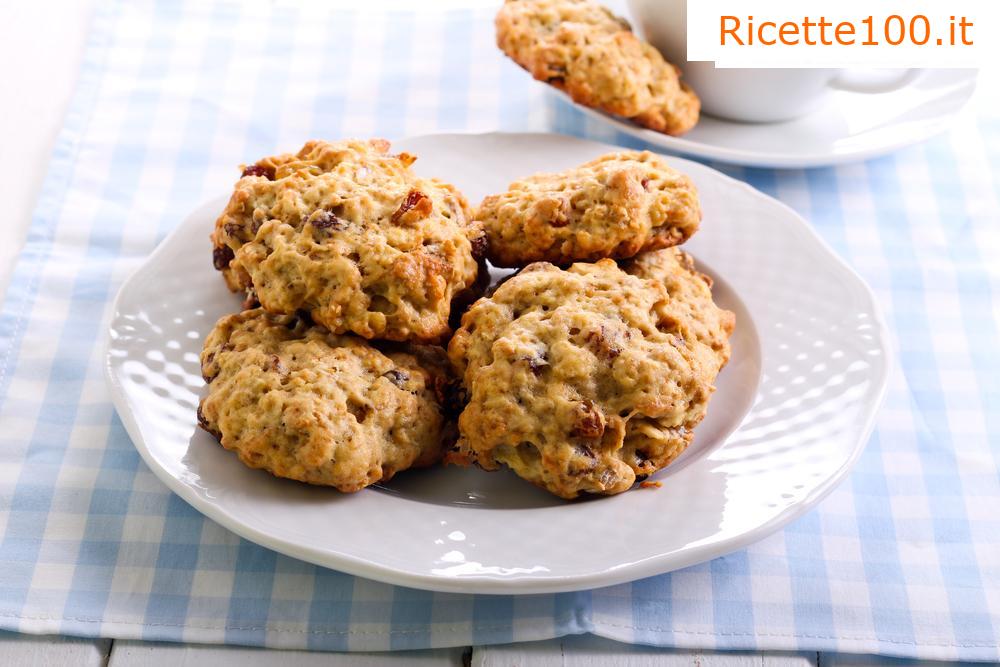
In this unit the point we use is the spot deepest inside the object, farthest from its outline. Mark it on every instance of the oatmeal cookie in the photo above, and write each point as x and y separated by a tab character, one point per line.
690	297
582	48
580	380
613	206
293	399
348	233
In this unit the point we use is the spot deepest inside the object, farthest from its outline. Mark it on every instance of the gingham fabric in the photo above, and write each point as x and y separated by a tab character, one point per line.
902	559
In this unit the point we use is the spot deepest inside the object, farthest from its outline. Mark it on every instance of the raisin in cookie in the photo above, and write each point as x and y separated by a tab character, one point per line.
293	399
582	48
350	234
690	293
579	380
613	206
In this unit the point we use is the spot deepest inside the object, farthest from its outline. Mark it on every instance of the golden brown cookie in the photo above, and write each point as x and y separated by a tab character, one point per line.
348	233
582	48
293	399
579	380
614	206
690	297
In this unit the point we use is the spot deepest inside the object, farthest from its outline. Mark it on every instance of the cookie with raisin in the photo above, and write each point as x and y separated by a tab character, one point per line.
291	398
582	48
348	233
613	206
579	380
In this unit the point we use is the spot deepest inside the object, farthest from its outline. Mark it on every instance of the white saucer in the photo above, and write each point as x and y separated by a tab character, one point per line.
791	414
849	127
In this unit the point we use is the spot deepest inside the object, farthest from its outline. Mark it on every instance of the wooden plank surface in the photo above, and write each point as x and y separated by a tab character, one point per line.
145	654
590	651
49	651
843	660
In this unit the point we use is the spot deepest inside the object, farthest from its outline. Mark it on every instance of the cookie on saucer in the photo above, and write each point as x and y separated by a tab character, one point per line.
585	50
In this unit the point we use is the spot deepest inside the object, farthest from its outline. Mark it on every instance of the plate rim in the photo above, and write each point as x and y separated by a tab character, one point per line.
513	584
775	160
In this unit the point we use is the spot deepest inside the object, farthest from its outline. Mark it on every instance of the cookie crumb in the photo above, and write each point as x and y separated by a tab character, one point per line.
650	484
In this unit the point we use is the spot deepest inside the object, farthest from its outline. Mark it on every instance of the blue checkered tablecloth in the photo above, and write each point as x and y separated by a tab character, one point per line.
902	559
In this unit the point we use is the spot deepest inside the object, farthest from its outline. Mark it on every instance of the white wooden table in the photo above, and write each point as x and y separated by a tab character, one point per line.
40	49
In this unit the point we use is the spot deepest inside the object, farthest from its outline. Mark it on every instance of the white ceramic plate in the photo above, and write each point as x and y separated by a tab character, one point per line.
792	411
847	128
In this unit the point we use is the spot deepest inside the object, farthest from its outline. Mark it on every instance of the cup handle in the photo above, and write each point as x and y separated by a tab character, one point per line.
864	81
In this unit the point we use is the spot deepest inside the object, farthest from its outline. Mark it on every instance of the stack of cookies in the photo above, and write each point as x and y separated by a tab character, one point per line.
336	247
585	371
587	378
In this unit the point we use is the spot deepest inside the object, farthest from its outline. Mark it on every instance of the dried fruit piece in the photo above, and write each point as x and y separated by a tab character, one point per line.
416	206
590	422
259	170
398	378
327	220
479	246
221	257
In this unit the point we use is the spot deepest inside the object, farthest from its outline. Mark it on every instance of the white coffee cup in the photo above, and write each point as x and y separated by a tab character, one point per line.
752	95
